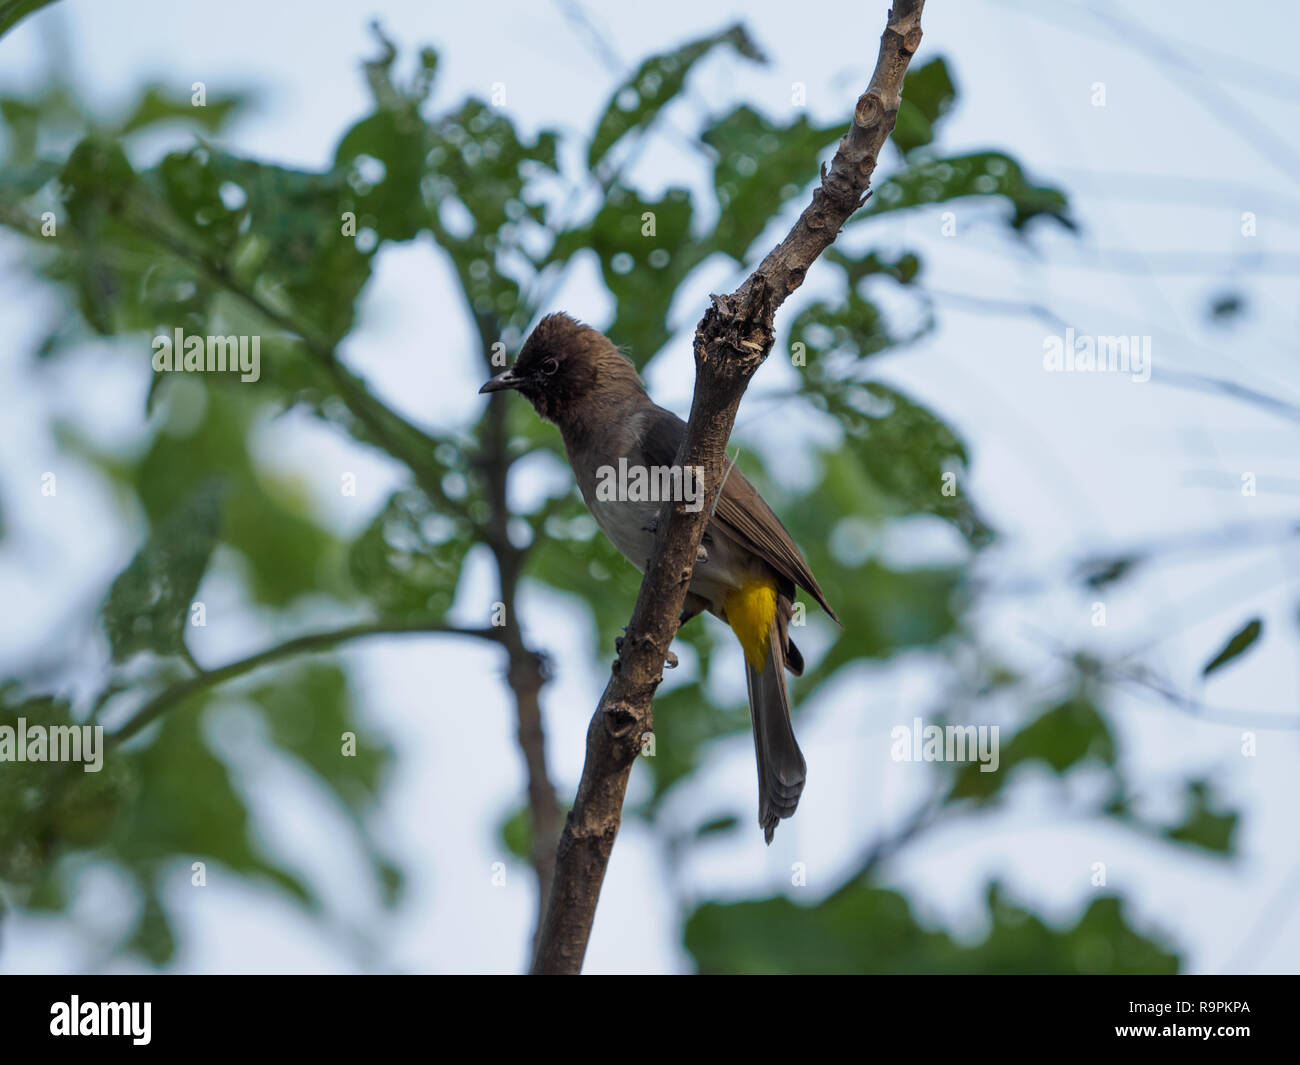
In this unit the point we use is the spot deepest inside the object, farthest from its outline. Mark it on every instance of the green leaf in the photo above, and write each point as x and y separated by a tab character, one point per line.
642	268
637	102
1065	736
308	708
932	181
97	174
267	518
148	604
408	561
1205	826
478	166
1240	642
126	282
928	92
47	807
759	167
383	156
153	937
1098	573
516	833
191	187
20	182
188	805
886	611
14	11
51	111
158	104
914	462
905	269
94	181
866	929
295	242
387	91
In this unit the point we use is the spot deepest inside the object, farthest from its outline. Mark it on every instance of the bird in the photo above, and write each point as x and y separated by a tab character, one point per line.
748	567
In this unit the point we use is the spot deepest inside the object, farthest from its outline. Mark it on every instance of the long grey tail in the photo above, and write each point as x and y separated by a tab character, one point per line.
781	768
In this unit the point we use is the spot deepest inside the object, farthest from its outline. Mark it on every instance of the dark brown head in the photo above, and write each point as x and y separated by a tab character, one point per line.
569	371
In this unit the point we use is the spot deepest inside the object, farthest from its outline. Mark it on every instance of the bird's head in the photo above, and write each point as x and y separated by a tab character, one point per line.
566	367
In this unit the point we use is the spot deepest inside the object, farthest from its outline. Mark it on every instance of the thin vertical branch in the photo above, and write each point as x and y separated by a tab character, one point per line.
525	670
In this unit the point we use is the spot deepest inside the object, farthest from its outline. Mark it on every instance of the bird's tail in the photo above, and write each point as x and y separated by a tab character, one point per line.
781	768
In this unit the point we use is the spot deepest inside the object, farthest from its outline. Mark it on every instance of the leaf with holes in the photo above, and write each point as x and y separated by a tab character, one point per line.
147	606
638	101
979	174
760	166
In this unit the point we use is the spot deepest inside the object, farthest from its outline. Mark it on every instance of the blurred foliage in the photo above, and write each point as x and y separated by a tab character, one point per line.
149	603
930	93
1205	826
864	929
13	11
656	84
760	165
408	560
1061	738
215	243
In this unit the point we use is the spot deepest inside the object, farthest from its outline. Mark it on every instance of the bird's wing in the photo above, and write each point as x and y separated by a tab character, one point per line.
741	511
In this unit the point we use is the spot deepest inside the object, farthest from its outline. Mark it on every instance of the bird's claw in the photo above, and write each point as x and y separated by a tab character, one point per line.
670	660
652	526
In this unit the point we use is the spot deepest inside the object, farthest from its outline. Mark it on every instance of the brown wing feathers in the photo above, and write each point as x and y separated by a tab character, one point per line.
740	510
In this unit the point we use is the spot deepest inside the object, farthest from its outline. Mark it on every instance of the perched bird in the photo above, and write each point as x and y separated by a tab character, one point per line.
748	566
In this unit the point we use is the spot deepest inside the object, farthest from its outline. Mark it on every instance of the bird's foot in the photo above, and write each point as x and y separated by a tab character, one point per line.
670	660
652	526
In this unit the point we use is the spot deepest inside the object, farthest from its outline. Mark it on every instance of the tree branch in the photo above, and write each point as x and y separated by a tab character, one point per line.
525	671
317	641
732	340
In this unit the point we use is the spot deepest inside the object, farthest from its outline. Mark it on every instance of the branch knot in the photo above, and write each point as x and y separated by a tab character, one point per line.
868	110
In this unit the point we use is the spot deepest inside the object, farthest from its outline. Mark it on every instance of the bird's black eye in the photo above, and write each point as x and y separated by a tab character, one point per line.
549	366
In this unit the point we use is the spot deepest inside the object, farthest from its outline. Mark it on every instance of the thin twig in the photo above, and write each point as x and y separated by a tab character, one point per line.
310	643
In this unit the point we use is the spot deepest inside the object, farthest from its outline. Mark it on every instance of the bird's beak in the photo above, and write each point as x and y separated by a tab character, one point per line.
499	382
